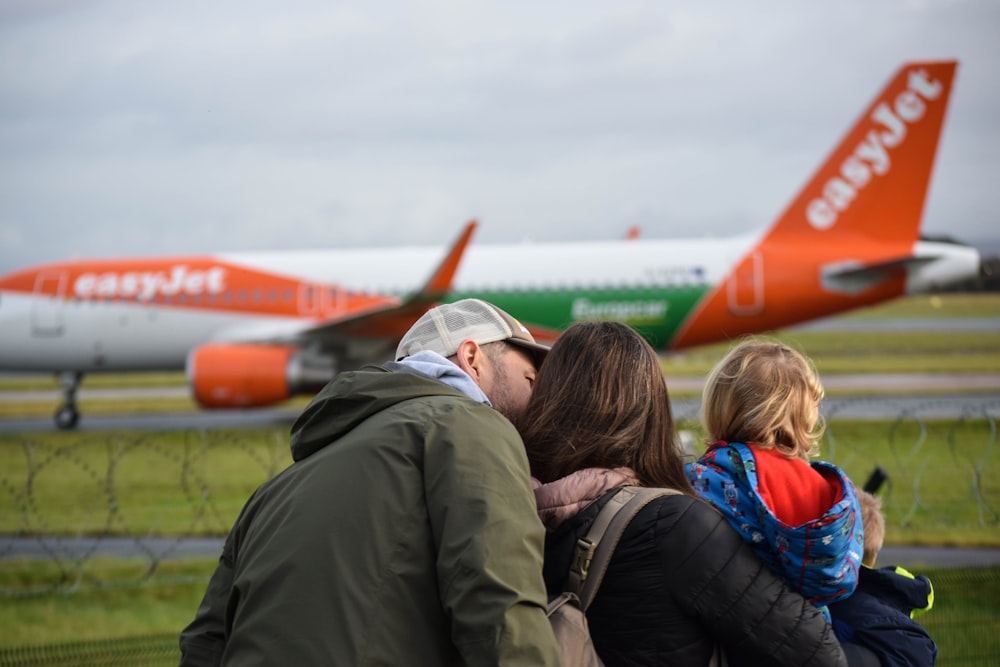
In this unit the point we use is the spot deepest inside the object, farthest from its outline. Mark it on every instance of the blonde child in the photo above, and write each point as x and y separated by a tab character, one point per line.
880	613
760	408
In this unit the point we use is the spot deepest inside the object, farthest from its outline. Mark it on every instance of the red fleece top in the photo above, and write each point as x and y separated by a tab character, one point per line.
793	491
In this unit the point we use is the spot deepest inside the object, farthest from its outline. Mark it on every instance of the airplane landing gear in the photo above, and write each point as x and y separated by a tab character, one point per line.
67	415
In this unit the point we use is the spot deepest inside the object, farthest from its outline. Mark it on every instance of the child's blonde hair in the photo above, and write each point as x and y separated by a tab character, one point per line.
766	393
874	526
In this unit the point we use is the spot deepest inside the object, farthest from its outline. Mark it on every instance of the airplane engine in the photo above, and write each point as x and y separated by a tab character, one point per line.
243	376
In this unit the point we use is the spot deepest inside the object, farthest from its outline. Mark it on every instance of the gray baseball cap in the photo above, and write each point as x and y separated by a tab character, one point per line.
443	328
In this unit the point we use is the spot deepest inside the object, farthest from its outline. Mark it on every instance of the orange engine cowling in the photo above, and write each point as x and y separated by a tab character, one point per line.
242	376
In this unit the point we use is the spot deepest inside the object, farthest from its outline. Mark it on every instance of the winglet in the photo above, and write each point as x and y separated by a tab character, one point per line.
440	281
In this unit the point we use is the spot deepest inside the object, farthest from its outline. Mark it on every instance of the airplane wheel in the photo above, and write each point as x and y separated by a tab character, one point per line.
66	417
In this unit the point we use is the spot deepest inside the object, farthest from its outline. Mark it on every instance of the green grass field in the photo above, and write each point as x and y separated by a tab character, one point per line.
933	306
107	622
944	488
944	478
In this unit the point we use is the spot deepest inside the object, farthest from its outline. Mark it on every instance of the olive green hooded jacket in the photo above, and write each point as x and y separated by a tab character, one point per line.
405	533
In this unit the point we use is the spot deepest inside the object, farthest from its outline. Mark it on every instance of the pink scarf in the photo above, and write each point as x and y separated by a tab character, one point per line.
568	496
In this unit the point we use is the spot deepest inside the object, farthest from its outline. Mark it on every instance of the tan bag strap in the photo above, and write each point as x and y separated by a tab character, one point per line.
719	657
593	552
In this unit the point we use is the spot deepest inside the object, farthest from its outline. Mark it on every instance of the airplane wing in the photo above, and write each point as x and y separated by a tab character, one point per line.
387	320
276	360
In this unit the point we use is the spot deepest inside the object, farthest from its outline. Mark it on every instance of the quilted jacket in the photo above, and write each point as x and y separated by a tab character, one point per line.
681	580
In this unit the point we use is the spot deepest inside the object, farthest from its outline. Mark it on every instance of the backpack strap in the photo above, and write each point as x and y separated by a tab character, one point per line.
593	552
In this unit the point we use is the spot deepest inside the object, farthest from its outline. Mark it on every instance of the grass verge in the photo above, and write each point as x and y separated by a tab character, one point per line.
965	620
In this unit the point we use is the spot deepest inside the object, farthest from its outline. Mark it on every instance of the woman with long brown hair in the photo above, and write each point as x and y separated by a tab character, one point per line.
681	580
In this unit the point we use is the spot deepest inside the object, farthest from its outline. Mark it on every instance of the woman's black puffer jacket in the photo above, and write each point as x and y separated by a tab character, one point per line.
681	580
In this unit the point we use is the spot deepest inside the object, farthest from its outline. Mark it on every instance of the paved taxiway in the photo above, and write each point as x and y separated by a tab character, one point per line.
73	549
857	407
876	396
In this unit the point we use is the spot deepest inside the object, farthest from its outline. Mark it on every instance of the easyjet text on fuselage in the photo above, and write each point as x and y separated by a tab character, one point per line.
147	285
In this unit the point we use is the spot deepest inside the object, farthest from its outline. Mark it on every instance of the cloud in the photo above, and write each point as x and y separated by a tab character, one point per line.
139	128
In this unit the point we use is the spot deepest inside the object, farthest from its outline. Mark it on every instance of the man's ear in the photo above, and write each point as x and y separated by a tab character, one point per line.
471	358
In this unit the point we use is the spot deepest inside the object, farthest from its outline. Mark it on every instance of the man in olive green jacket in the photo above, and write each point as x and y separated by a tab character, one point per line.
405	533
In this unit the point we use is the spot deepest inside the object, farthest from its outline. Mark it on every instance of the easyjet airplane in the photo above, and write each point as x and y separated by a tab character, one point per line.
254	328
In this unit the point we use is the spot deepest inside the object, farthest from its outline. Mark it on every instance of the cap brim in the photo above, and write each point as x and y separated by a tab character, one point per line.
536	350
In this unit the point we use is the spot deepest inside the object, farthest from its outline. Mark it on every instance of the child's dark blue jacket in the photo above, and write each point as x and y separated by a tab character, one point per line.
879	614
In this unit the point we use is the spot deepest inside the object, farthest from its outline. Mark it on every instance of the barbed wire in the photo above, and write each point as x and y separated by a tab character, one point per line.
162	497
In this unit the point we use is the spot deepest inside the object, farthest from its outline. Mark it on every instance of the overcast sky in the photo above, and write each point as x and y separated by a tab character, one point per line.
133	127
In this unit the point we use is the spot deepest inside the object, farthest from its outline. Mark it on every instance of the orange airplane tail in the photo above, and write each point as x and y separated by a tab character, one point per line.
875	182
856	219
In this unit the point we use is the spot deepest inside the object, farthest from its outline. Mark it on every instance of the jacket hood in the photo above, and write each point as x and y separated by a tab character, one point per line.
898	588
820	558
351	398
565	497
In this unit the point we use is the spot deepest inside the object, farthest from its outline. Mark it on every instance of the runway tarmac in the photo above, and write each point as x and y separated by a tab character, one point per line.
177	421
944	406
877	396
941	324
74	549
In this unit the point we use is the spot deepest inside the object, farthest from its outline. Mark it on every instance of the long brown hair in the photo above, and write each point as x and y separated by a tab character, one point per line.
600	400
